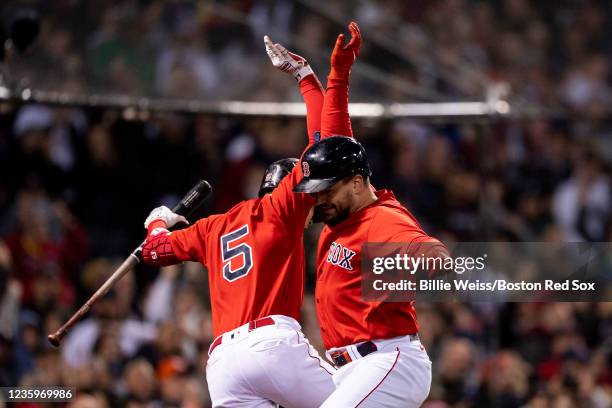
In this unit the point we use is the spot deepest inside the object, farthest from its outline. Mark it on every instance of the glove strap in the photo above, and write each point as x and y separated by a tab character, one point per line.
156	224
303	73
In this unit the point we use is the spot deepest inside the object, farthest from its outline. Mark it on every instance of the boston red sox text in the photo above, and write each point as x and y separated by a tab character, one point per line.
477	285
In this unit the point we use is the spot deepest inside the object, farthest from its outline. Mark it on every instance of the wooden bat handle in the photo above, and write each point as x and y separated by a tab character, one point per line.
131	261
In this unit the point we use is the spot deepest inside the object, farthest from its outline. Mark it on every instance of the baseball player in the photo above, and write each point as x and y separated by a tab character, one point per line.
374	345
255	259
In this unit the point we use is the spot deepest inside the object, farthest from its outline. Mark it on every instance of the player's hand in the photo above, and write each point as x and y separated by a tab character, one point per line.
287	61
165	214
344	55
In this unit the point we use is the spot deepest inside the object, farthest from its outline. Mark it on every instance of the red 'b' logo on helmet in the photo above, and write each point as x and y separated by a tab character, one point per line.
306	169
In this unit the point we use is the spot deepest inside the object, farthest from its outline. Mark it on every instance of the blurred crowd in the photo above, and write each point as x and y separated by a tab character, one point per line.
550	54
77	184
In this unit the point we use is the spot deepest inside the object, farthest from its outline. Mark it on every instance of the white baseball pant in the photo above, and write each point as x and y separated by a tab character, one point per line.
268	366
397	375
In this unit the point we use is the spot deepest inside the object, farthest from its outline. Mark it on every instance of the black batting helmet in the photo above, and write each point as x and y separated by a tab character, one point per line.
275	173
329	161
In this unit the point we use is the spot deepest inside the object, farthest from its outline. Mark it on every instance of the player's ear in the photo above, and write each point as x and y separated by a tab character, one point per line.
359	183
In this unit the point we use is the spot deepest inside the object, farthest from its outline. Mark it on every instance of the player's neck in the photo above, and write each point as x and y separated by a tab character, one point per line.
368	198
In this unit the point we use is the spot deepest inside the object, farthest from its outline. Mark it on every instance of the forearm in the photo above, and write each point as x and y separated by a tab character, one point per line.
310	87
312	93
335	119
157	249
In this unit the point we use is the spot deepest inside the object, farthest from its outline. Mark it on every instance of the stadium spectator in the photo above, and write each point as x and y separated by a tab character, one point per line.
71	177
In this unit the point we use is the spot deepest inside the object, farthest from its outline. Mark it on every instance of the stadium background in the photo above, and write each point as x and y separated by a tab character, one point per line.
77	182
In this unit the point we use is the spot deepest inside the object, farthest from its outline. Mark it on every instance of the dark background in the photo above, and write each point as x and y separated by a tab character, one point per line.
77	183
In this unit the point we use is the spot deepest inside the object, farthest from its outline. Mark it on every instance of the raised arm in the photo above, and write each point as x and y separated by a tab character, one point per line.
335	119
310	87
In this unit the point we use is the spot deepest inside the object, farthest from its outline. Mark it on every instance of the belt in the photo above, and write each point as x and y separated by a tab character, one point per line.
343	356
252	325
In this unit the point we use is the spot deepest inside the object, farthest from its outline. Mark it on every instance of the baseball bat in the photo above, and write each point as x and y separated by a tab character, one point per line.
192	200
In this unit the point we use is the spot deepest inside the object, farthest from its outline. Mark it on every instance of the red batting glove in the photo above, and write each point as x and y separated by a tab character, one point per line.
344	55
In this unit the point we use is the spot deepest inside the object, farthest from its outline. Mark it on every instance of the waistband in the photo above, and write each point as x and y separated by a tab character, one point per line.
343	355
241	332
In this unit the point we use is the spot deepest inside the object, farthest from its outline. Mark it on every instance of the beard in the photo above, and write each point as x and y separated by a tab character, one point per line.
330	214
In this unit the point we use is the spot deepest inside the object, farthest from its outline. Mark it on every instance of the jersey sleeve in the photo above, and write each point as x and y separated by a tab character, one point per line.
414	241
335	119
292	208
395	229
189	244
312	93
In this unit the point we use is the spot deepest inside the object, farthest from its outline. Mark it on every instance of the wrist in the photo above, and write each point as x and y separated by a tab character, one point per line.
302	73
339	73
156	224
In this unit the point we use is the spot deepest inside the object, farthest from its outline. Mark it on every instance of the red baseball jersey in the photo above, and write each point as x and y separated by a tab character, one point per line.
254	254
344	316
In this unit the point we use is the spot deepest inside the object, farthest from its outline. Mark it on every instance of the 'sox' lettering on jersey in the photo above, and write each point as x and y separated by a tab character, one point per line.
345	261
330	254
305	169
336	254
340	256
